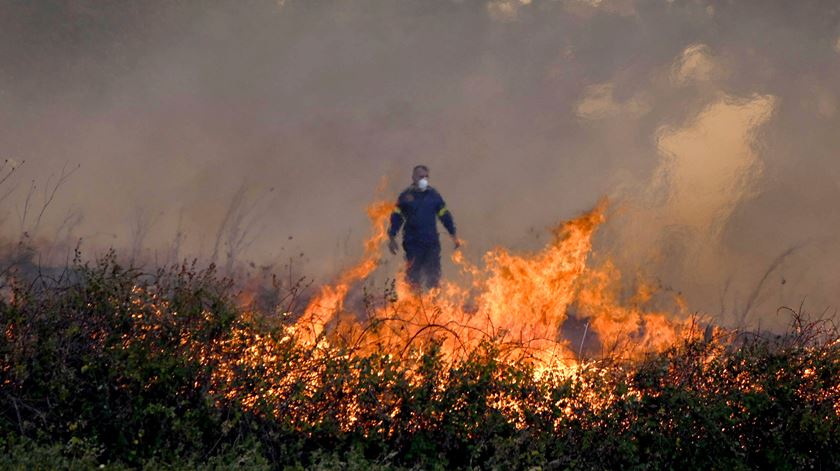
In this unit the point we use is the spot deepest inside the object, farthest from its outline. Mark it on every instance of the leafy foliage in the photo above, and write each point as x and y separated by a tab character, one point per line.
109	365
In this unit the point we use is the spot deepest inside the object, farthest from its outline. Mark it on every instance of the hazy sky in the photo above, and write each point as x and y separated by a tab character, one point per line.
711	125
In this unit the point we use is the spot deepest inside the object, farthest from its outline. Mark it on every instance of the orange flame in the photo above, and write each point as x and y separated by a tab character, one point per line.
330	300
520	301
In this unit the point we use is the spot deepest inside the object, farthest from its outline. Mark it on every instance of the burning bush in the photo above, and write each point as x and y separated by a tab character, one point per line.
107	364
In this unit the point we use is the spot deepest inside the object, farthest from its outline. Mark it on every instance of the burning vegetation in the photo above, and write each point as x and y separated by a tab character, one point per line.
106	364
520	302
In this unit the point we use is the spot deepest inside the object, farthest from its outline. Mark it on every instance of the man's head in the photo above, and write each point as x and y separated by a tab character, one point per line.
420	177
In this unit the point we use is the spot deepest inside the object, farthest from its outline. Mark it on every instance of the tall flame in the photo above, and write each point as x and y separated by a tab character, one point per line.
330	300
520	301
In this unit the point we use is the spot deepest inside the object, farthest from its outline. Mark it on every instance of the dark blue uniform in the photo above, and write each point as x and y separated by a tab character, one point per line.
419	211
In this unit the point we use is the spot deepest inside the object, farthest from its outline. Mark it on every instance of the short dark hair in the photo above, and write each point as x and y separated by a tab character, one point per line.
419	167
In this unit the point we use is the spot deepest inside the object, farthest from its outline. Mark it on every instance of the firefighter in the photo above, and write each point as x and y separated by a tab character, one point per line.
417	211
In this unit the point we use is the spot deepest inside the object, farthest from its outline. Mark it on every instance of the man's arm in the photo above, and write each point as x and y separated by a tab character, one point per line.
445	217
397	219
396	222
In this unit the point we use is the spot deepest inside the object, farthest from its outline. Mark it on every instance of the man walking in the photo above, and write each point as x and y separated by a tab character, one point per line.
417	210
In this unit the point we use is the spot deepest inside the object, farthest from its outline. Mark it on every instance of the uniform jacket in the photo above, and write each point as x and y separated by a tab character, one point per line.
418	211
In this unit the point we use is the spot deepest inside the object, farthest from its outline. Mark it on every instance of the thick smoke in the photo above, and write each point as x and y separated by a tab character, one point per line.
711	125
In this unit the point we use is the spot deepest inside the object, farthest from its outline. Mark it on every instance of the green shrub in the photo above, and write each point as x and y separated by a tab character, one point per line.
111	366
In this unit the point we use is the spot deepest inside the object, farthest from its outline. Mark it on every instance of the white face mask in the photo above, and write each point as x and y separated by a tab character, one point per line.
423	184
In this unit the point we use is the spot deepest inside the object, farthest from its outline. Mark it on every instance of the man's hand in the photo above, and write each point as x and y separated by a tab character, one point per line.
457	242
392	245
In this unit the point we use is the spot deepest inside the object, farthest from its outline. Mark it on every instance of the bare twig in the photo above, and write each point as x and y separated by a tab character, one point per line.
26	203
235	231
50	192
770	269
